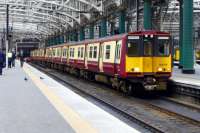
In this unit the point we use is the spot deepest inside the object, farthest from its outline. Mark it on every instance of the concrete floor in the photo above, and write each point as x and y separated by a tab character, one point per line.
23	108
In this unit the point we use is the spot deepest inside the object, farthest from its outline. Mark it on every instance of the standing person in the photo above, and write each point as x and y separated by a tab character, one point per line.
13	59
21	60
1	62
9	59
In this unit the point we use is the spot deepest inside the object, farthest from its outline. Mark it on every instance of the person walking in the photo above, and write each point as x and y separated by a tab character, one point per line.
21	60
9	59
1	62
13	59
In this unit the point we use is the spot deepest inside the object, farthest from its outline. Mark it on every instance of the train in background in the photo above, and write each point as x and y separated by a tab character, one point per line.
128	62
176	55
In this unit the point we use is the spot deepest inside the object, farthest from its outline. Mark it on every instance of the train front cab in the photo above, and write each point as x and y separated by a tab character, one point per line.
149	59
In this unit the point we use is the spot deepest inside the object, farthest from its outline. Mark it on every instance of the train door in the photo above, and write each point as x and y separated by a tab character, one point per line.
148	55
117	56
101	53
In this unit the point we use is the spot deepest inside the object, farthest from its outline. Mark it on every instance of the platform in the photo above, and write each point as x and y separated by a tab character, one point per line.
190	79
32	102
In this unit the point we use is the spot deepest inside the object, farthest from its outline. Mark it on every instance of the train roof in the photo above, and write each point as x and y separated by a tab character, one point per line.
114	37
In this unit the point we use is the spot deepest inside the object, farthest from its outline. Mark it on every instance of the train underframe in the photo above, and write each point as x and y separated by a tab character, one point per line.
127	86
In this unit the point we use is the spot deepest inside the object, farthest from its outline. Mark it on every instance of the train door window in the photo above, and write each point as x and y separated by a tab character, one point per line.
90	52
107	53
82	52
118	50
95	52
163	46
148	47
79	52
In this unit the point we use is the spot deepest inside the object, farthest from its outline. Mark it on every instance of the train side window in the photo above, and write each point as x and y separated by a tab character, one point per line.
91	51
95	52
79	52
82	52
71	50
107	52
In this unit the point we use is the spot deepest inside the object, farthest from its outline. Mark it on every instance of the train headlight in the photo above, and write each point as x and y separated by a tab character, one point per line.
136	69
160	69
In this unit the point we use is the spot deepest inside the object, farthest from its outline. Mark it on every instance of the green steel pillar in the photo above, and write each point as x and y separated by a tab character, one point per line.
91	31
181	34
112	24
188	50
103	28
122	22
147	15
82	34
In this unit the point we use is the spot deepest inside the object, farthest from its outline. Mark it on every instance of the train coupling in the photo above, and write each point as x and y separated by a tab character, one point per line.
150	87
150	84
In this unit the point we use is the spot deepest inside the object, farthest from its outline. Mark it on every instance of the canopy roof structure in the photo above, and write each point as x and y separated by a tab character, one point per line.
45	17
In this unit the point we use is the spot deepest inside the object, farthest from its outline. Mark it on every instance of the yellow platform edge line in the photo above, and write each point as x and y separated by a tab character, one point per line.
78	124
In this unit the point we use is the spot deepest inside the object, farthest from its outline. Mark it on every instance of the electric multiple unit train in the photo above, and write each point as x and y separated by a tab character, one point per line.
125	61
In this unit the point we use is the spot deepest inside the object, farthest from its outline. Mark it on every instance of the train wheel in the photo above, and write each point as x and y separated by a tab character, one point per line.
127	88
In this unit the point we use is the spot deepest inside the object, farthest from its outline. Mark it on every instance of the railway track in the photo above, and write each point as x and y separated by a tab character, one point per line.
143	112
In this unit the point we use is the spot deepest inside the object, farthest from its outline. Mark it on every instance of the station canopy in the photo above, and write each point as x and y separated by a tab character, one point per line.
44	17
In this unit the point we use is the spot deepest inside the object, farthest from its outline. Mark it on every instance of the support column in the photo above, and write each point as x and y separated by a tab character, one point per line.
147	15
103	27
181	34
91	31
82	34
122	22
188	50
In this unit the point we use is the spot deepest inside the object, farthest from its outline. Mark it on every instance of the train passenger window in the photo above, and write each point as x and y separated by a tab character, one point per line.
107	52
79	52
148	47
95	52
82	50
90	52
133	48
163	47
70	54
73	52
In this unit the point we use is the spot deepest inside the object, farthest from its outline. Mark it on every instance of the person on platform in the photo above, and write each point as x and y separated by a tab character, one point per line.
9	59
22	60
1	62
13	59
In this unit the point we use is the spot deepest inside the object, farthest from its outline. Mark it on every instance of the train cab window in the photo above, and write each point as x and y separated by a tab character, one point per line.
148	47
107	52
133	48
163	48
95	52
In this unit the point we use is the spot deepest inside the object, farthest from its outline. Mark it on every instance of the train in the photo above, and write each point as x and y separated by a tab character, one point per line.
134	61
176	55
